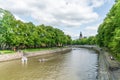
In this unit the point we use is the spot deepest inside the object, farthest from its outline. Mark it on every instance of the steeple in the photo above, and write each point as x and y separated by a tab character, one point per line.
80	35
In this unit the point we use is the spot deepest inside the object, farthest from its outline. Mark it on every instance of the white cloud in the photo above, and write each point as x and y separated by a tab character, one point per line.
68	13
54	12
91	30
74	36
92	27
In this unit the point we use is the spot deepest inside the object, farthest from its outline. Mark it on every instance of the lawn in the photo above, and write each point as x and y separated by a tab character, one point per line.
7	51
25	50
37	49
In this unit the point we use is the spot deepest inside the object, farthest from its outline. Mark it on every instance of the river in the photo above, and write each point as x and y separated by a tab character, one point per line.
78	64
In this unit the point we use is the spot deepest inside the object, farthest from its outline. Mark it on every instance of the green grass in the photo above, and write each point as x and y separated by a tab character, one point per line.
26	50
118	57
37	49
7	51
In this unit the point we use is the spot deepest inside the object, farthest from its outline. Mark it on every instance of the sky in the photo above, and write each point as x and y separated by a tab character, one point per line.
71	16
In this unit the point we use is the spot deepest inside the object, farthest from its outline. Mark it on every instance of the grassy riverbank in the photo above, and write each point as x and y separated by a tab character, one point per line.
38	49
7	52
28	50
32	52
116	56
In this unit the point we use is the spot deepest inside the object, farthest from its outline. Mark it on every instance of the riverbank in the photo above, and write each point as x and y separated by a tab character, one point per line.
109	68
113	66
18	55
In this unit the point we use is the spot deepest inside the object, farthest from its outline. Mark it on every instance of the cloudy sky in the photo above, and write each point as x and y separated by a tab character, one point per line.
71	16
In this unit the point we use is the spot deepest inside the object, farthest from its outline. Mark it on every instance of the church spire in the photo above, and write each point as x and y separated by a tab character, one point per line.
80	35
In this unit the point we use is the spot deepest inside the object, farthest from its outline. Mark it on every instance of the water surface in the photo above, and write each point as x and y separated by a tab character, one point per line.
79	64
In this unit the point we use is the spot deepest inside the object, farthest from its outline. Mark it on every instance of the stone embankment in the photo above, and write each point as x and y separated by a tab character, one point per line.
109	68
17	55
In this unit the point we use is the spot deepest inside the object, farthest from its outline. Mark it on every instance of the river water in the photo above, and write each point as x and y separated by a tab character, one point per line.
78	64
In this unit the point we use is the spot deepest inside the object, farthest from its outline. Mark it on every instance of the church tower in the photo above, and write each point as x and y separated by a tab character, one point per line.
80	37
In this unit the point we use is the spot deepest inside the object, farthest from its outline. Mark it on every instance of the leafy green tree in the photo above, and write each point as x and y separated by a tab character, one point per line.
109	31
15	34
6	25
116	41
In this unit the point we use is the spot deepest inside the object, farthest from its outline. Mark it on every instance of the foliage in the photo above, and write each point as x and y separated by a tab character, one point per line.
15	34
109	31
85	41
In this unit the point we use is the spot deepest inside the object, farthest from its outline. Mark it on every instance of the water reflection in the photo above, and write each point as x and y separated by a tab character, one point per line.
79	64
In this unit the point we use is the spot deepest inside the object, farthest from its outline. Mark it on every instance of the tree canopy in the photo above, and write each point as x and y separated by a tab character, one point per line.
109	31
17	34
85	41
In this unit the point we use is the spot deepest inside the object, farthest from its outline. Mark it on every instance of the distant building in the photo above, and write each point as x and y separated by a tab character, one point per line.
80	37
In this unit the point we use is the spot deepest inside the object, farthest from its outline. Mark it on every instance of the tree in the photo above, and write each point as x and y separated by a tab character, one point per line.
17	34
6	25
109	31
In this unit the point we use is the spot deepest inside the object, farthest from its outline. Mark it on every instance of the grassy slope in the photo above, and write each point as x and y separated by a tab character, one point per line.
25	50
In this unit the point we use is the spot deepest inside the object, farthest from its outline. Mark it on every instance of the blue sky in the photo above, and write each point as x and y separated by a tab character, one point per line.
71	16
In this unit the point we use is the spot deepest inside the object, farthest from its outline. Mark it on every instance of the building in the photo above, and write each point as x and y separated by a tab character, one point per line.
80	37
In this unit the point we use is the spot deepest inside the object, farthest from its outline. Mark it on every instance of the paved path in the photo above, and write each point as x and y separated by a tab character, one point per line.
113	66
103	69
